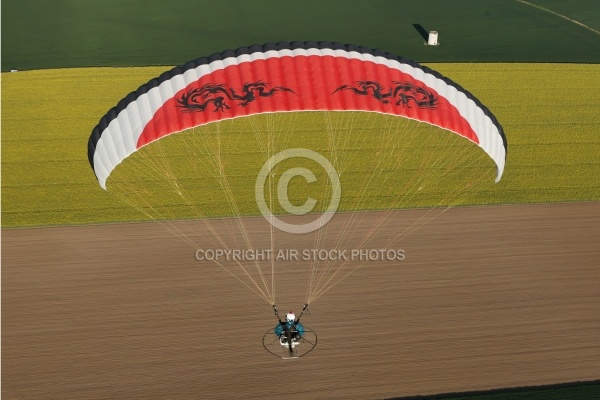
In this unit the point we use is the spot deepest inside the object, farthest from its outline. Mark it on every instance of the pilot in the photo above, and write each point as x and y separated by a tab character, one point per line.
292	324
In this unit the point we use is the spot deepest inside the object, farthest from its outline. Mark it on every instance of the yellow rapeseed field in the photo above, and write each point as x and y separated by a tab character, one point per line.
550	114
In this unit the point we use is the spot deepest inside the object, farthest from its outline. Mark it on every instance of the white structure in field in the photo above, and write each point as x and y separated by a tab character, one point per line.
433	38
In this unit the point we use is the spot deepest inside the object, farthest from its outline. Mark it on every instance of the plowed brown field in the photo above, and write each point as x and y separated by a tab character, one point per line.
487	297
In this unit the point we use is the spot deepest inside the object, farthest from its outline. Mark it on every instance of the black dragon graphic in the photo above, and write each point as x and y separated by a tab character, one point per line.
220	96
402	92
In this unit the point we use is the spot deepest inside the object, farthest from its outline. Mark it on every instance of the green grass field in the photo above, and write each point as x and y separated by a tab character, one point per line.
565	391
66	33
549	113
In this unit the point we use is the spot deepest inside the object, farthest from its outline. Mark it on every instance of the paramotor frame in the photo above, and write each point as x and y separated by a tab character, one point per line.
278	346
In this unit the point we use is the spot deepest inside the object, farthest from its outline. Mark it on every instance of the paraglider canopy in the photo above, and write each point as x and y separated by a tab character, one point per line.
381	122
287	77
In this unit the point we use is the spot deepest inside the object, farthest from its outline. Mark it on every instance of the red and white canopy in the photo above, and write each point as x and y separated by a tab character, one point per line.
289	77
